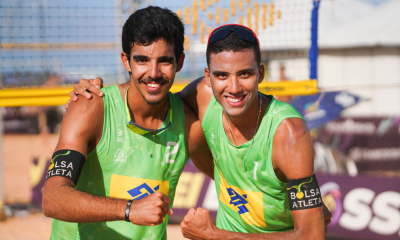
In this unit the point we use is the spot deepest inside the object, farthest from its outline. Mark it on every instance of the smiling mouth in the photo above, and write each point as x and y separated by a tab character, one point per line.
235	100
153	86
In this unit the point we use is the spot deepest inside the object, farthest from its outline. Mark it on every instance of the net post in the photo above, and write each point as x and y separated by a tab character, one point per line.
313	54
1	138
1	162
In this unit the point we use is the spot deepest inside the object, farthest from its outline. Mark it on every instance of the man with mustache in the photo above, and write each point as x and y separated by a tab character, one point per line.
262	149
119	157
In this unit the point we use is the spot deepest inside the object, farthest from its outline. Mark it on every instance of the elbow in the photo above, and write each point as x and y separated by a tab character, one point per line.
47	207
314	234
315	231
49	202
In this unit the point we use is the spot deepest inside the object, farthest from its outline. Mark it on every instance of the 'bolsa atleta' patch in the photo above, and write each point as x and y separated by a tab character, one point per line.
304	193
66	163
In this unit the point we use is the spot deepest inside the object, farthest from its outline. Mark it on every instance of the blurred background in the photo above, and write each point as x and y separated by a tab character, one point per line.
336	61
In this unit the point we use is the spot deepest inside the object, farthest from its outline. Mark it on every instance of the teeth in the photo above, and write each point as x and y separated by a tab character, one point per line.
235	100
153	85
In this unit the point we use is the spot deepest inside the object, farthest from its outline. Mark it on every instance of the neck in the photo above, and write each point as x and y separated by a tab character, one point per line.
249	118
142	112
243	127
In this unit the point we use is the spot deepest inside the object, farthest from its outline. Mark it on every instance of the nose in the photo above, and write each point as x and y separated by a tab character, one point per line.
154	71
234	86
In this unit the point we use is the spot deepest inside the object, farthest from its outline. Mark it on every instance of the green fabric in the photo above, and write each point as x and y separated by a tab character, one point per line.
120	163
252	200
140	130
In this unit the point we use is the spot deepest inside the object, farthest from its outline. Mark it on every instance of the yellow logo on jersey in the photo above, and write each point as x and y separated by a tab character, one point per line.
124	187
248	204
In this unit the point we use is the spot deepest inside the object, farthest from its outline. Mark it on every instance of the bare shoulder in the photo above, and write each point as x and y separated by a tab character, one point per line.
197	95
193	132
94	104
86	109
290	131
292	151
190	116
82	124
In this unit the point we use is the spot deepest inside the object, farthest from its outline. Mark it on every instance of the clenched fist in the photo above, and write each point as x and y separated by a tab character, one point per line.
150	210
198	224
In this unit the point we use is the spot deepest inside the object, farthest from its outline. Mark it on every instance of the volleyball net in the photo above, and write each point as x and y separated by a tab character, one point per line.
46	46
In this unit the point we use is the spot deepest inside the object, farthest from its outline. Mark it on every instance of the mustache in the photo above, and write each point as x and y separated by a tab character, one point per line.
151	80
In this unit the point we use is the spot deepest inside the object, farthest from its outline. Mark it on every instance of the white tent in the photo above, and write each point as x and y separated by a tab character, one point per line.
353	23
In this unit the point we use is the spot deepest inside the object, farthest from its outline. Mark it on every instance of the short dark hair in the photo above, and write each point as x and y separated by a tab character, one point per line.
150	24
232	43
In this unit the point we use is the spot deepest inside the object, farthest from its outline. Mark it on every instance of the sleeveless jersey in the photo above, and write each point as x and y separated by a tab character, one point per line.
120	167
252	200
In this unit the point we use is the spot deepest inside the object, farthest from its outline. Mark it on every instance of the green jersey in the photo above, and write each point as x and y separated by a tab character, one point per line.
251	198
121	167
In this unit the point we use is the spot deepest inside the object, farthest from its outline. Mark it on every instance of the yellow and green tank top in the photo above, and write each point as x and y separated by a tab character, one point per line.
120	167
252	200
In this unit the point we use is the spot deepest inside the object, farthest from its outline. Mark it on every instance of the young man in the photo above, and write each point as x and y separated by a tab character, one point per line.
262	149
135	140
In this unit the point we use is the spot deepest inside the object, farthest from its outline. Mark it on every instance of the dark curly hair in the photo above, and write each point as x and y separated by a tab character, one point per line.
232	43
150	24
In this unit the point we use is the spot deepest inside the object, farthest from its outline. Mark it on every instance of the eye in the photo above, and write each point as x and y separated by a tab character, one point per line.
166	61
141	60
222	75
244	74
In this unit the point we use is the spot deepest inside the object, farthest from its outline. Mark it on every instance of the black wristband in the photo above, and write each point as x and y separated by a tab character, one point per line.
128	209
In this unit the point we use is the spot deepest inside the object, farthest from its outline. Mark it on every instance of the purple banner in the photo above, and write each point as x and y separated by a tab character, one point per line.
364	206
194	190
367	144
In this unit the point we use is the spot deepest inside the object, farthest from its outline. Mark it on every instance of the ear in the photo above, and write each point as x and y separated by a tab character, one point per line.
125	61
207	76
180	62
261	72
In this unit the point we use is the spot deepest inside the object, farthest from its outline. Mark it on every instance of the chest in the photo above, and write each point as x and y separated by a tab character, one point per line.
146	154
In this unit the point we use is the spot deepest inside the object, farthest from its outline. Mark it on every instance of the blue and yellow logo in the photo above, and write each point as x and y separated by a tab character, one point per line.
248	204
238	200
142	191
124	187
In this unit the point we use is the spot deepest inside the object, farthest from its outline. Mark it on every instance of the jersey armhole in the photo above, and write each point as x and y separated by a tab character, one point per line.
272	133
102	139
208	110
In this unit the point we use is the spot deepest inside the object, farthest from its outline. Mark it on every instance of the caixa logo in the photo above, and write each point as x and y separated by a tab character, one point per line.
363	209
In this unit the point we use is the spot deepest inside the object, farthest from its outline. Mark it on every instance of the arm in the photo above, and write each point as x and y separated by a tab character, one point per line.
81	130
292	158
196	144
196	94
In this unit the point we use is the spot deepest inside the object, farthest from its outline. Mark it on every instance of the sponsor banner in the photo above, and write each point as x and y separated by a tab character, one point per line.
362	207
372	126
194	190
371	143
323	107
